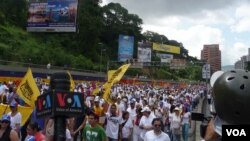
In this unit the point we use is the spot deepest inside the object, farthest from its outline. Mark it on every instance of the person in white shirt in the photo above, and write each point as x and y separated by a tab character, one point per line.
15	117
132	110
146	121
176	125
156	134
186	123
126	127
113	122
3	92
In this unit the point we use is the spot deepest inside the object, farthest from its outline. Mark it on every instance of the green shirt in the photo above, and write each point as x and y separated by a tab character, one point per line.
94	134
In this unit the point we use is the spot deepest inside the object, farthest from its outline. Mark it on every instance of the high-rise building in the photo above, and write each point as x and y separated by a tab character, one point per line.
212	55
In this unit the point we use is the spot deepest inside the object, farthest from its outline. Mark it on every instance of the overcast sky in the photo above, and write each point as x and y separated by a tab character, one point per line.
198	22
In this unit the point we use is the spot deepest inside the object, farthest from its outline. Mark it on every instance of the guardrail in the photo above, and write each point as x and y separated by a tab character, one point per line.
22	64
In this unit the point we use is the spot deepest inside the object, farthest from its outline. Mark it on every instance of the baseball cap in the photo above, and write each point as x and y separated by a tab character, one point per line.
13	104
146	109
97	99
5	118
176	109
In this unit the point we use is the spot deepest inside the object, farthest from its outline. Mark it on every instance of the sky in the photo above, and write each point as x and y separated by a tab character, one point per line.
197	22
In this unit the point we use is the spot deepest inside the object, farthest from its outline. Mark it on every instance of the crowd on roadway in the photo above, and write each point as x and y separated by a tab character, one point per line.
141	112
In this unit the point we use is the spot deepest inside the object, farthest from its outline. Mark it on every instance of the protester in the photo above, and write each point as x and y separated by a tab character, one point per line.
146	121
92	131
186	123
176	125
156	133
6	133
126	127
15	117
33	130
113	122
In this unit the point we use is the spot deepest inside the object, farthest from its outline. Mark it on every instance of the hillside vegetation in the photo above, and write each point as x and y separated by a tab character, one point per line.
97	33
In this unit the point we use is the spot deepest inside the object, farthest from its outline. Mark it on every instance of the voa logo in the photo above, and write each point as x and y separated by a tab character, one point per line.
44	102
68	100
236	132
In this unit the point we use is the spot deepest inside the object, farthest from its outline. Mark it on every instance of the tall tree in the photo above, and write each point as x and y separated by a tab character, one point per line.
90	26
117	21
13	12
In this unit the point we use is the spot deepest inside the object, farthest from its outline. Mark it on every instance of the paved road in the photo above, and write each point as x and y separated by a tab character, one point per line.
194	133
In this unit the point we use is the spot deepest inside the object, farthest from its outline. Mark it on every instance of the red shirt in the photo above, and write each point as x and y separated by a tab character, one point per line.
39	137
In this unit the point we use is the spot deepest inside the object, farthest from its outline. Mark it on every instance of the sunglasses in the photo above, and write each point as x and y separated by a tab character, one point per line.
157	125
5	121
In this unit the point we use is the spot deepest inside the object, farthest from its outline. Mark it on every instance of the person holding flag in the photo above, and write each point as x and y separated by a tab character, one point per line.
28	90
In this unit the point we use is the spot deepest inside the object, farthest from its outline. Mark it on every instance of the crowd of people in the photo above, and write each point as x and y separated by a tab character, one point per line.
140	112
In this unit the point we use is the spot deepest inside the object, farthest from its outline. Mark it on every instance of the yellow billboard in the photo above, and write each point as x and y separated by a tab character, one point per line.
166	48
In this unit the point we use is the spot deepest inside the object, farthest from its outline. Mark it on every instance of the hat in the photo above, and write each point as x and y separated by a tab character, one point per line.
124	99
132	101
97	99
176	109
13	104
5	118
145	109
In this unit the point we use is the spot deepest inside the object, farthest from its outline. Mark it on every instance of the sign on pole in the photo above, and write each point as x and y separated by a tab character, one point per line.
206	71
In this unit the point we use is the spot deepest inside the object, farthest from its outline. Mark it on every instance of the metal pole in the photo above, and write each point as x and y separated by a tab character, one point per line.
101	61
60	81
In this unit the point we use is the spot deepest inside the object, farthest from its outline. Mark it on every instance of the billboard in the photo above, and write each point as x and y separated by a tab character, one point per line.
206	74
126	48
165	58
52	16
178	64
166	48
144	52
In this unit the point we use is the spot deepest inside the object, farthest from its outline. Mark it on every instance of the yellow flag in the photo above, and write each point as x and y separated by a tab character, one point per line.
72	83
115	76
25	112
28	89
110	73
96	91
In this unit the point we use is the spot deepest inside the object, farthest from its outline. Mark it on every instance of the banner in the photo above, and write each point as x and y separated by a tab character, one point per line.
114	78
72	83
52	16
28	89
126	48
144	52
25	112
166	48
178	64
165	58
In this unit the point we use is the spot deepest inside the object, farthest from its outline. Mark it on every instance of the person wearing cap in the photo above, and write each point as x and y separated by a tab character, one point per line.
98	109
15	117
6	133
132	110
175	125
146	121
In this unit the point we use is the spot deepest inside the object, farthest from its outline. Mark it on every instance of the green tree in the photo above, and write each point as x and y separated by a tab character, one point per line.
90	27
13	12
117	21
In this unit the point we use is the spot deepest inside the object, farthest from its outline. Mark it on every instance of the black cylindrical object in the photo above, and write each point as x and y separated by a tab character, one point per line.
60	81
